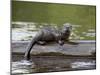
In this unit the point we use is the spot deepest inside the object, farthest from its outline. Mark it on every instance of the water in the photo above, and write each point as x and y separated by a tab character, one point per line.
82	64
39	64
22	66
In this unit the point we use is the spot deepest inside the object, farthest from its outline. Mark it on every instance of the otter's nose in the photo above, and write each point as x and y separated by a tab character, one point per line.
61	42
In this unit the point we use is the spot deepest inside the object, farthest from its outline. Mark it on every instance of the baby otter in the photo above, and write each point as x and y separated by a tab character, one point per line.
48	34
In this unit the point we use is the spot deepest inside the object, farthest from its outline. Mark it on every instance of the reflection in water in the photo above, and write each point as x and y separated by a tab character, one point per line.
83	64
51	64
23	66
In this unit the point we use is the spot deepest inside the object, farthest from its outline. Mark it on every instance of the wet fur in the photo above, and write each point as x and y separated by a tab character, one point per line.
49	34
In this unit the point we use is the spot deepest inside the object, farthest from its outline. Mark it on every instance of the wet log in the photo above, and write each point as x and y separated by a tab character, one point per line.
85	47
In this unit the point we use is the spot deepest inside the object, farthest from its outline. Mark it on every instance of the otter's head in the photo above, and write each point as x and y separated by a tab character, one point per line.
67	28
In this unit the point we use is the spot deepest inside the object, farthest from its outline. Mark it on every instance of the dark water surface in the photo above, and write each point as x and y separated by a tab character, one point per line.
39	64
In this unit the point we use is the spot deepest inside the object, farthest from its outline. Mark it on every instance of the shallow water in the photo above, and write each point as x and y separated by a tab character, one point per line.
39	64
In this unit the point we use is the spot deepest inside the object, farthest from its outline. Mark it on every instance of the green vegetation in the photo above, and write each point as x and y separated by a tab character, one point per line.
53	13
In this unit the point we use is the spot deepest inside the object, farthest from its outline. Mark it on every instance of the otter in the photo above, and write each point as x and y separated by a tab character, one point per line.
49	34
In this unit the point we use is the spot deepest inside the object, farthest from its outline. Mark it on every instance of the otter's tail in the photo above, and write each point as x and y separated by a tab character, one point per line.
30	46
33	42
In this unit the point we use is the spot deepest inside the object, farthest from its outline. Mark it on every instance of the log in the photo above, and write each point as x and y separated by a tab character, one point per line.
85	47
